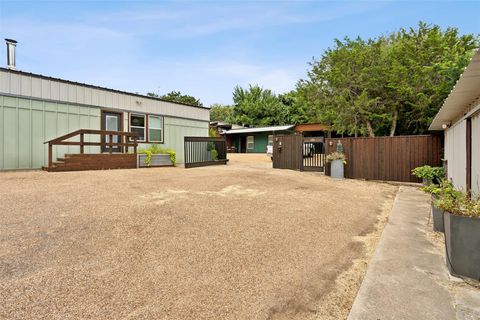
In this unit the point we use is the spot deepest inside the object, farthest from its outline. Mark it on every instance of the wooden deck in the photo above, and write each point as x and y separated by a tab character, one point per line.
103	161
99	161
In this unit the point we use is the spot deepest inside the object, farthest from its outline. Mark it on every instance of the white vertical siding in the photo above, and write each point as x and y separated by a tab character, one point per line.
15	82
476	154
455	153
62	91
36	87
26	86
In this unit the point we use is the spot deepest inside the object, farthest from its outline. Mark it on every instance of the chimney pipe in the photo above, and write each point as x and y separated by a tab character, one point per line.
11	44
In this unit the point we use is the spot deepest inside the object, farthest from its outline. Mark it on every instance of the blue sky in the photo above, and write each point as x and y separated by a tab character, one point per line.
202	48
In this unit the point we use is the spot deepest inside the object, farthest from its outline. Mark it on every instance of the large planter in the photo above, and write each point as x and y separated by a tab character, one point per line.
426	181
462	244
437	215
336	169
158	160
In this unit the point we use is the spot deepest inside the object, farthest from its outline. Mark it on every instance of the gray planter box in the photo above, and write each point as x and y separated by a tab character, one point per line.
437	215
426	181
336	169
158	160
462	244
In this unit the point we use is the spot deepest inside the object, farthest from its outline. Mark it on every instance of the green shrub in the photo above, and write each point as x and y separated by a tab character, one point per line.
214	154
156	149
461	204
433	189
429	173
336	156
457	202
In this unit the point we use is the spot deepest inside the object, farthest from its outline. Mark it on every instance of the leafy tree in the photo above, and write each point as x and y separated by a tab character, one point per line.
393	84
177	96
297	110
221	112
256	106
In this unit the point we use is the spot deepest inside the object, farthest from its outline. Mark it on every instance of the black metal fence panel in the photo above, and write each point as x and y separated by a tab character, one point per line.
204	151
313	154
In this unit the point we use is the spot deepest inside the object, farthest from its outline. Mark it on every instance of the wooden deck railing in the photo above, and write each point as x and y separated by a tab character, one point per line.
123	142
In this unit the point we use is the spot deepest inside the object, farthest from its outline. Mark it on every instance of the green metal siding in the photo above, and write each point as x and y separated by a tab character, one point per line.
26	124
236	143
175	129
260	143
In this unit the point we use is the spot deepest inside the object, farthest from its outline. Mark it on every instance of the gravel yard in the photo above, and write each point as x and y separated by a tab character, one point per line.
242	241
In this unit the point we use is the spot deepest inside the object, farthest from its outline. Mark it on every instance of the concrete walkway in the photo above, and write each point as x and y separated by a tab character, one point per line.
407	277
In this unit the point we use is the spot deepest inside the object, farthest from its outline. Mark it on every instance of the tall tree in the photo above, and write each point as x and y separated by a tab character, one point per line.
393	84
221	112
177	96
256	106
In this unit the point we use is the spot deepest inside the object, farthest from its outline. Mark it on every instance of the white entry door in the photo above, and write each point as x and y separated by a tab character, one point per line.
111	122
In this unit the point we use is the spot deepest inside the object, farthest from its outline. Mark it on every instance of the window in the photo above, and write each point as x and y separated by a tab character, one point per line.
137	125
155	128
270	139
250	142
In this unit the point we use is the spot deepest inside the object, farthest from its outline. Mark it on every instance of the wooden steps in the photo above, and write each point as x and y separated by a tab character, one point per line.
103	161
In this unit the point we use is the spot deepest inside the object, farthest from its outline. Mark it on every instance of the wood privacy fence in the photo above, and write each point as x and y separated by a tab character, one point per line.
298	153
287	152
387	158
204	151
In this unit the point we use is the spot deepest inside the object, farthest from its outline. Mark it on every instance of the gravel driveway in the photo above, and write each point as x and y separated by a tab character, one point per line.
241	241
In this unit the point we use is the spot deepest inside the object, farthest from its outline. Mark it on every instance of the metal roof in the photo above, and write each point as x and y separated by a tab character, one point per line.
464	93
261	129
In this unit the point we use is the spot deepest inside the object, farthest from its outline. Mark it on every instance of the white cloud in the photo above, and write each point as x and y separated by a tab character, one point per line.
154	44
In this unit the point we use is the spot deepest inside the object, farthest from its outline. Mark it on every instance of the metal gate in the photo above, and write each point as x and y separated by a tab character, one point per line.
204	151
298	153
313	154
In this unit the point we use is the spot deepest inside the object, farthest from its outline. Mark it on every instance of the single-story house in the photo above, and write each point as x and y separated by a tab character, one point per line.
254	140
459	118
36	108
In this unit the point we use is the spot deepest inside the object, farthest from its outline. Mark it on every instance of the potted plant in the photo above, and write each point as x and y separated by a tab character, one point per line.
212	153
429	174
337	161
437	214
462	233
154	156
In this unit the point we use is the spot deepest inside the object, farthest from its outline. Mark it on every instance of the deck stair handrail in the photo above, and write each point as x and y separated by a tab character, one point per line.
124	142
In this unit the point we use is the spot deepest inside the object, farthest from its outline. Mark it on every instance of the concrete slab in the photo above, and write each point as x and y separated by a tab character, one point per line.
467	304
407	277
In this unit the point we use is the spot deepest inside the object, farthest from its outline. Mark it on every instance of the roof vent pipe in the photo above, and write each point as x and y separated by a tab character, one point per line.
11	44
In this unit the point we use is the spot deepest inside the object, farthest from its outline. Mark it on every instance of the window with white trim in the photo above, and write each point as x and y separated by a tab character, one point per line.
155	128
270	139
250	142
137	125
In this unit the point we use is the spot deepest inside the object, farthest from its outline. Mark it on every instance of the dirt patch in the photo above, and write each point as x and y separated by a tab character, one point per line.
241	241
338	302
